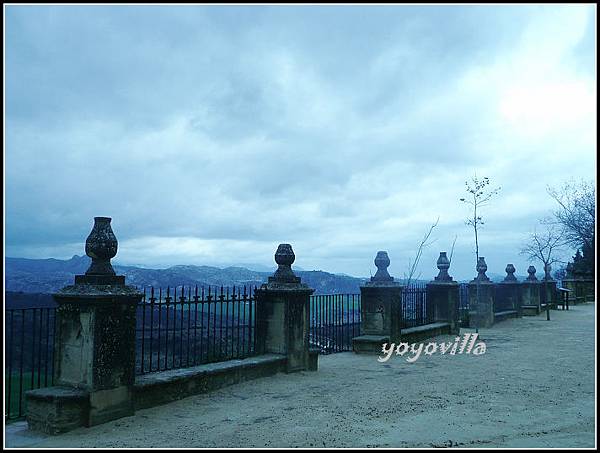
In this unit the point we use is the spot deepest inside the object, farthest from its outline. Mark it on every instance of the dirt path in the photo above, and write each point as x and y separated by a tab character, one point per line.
534	387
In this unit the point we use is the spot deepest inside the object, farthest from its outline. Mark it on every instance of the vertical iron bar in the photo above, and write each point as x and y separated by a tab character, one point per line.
160	303
167	300
47	347
55	342
33	312
187	362
21	362
208	357
254	322
238	323
39	367
221	299
194	356
244	343
143	331
152	300
182	303
10	360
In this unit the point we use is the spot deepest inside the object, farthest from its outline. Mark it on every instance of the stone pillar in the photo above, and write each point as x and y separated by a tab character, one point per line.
283	315
380	312
549	288
443	295
582	288
482	311
530	293
94	351
508	294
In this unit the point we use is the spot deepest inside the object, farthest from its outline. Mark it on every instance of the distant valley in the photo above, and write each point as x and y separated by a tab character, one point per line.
49	275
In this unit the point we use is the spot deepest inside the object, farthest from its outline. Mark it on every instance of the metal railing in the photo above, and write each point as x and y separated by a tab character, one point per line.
188	326
29	346
463	305
415	310
335	320
183	327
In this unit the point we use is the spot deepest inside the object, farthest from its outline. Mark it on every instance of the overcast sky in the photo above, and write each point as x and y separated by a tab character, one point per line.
210	134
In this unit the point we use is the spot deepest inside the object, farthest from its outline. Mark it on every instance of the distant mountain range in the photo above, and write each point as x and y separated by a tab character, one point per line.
49	275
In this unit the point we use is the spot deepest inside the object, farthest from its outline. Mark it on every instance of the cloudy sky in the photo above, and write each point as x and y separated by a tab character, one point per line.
210	134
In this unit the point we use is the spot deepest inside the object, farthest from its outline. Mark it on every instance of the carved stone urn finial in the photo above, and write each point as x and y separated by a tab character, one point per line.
382	261
481	268
547	270
101	247
531	277
284	257
443	264
510	273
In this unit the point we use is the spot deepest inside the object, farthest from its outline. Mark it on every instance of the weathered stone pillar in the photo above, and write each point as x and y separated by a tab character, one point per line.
508	294
380	312
580	282
549	288
283	315
94	352
583	288
580	279
443	295
481	308
530	293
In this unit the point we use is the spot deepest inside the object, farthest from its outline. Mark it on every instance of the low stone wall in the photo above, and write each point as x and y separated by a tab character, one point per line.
162	387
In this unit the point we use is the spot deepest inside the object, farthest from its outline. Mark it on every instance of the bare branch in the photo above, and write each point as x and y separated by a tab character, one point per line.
412	265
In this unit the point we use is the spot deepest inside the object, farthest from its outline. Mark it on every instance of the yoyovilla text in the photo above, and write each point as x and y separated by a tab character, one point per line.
414	350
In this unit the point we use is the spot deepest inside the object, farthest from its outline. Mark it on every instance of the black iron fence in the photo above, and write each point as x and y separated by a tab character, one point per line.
29	346
187	326
335	320
463	306
415	310
183	327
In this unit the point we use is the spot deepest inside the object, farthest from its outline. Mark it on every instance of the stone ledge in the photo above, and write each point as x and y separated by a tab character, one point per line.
530	310
57	393
369	343
418	333
502	315
425	327
162	387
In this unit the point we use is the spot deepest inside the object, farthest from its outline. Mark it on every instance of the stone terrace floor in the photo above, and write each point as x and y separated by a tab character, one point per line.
534	387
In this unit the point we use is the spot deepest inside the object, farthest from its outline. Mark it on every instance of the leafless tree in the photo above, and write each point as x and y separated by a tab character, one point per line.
543	246
479	196
576	212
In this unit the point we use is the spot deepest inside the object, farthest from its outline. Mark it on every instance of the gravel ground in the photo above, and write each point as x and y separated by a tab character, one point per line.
534	387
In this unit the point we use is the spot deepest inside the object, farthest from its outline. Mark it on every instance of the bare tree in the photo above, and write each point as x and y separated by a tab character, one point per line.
544	247
413	263
479	195
576	214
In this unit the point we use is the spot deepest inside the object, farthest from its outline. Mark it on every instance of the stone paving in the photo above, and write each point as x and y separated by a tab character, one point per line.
533	387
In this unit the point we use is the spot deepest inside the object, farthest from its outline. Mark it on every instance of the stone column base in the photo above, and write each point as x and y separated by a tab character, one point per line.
369	344
56	410
313	360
